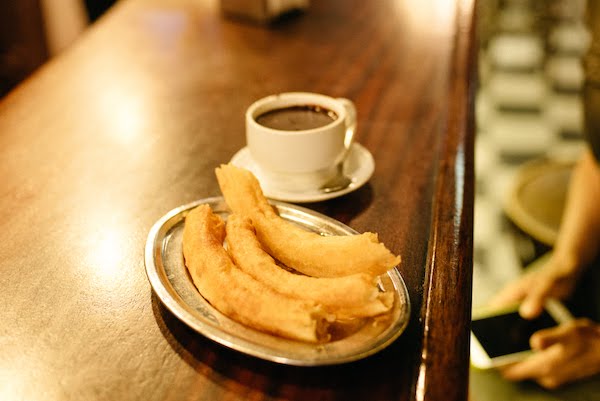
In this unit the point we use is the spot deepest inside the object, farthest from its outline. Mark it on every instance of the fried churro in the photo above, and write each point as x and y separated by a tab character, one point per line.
306	252
235	293
351	296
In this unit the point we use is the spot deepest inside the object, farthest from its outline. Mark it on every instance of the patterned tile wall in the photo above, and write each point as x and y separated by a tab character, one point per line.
528	107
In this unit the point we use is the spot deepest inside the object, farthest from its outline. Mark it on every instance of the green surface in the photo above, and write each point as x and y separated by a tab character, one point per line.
488	385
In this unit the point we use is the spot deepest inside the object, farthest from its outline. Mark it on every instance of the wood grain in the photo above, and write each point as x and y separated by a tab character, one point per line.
130	123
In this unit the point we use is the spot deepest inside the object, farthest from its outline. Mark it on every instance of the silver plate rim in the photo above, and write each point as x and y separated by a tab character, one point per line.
166	293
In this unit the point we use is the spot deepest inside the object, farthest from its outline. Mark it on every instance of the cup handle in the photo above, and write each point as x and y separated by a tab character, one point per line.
350	122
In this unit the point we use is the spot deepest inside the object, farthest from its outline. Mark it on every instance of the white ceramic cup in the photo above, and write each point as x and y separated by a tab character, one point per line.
300	160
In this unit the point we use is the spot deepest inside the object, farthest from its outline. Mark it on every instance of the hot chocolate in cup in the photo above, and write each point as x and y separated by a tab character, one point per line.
299	139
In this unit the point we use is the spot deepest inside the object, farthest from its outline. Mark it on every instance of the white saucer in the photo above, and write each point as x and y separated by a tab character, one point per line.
359	166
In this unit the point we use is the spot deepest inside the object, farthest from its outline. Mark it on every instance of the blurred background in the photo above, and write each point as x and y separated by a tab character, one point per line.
529	119
33	31
529	133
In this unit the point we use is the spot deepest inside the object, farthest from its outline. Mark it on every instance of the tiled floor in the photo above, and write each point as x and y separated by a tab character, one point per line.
528	107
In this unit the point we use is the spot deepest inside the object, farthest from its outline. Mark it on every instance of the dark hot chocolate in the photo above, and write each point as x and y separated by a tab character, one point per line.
297	118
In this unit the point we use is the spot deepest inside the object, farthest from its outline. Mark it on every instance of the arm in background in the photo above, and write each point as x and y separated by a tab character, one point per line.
570	351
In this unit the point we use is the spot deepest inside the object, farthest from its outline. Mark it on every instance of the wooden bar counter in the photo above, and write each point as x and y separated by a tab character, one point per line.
130	123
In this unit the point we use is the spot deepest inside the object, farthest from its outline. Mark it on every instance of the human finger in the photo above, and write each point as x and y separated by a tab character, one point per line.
534	367
572	352
533	303
512	293
572	332
546	337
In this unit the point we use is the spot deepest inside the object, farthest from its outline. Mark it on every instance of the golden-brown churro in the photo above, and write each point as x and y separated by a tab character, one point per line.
235	293
351	296
307	252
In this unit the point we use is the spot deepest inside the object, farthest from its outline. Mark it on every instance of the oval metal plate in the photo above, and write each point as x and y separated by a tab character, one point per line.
172	284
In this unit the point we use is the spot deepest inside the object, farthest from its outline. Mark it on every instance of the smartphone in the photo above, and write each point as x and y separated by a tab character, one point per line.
501	337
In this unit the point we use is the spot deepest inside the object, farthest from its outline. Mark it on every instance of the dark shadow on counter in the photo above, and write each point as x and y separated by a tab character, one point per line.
346	207
236	372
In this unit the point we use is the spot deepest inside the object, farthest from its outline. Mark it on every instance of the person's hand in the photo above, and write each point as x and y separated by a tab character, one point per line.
556	279
563	354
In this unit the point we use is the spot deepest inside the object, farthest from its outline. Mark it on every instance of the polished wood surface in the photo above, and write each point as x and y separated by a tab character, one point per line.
130	123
